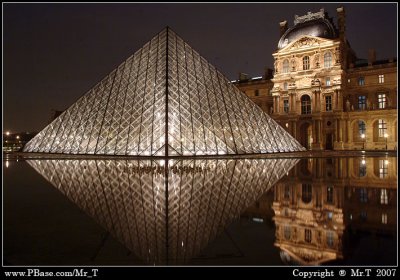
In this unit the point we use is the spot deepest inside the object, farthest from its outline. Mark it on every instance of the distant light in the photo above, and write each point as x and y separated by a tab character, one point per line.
363	162
287	124
7	133
255	78
363	136
386	135
386	162
7	163
17	137
258	220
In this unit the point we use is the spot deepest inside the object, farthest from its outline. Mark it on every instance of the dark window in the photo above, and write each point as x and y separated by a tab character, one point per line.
305	105
256	92
286	105
328	103
362	102
329	239
287	232
287	192
329	194
307	235
306	193
363	195
361	81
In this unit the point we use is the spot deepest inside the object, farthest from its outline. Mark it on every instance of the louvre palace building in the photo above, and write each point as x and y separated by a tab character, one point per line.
322	93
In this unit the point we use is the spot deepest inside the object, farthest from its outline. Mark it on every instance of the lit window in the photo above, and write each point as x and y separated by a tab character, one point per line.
362	102
286	105
361	81
328	103
284	86
327	60
305	104
363	195
382	127
329	239
383	172
381	79
285	66
327	81
306	63
307	235
384	218
382	100
384	196
361	128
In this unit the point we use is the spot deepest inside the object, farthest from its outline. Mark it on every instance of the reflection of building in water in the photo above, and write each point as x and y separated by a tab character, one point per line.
323	202
163	221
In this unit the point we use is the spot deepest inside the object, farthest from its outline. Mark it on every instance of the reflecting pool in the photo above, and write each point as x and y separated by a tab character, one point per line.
266	212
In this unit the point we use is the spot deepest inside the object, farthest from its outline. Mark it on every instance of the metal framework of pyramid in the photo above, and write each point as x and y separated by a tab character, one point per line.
164	100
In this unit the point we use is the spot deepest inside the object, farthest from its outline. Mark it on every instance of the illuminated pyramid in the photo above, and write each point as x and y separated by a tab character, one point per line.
164	100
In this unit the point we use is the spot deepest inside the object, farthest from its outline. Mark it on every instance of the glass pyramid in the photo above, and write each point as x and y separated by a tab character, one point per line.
164	100
165	212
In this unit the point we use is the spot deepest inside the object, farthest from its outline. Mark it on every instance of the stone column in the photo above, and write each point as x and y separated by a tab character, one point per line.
294	130
278	105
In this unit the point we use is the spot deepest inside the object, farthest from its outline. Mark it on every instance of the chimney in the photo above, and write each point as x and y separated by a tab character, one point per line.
341	21
243	76
283	26
371	56
269	73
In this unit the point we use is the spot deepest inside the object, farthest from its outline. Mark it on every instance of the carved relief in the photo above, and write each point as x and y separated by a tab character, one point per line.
316	61
304	82
305	42
309	16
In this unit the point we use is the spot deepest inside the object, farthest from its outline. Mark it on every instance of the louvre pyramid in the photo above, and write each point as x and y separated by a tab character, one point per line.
164	100
164	223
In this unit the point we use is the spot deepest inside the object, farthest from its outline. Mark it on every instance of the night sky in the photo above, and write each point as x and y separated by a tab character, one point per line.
54	53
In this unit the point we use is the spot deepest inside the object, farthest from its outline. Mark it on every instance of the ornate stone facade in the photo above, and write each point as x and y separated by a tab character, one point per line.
323	94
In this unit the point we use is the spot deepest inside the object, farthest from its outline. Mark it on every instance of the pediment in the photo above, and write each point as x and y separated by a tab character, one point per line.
305	42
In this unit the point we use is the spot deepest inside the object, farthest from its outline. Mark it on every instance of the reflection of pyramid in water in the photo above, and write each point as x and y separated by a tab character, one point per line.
128	198
125	113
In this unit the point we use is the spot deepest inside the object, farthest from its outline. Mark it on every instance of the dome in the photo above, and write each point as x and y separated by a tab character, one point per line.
320	27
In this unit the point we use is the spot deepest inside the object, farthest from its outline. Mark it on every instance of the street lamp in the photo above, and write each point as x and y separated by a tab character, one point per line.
386	137
363	138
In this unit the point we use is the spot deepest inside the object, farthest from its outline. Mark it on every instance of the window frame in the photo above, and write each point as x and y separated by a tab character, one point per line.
328	60
306	62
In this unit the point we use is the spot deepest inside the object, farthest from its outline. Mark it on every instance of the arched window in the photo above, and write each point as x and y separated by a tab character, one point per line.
327	60
285	66
306	63
305	105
